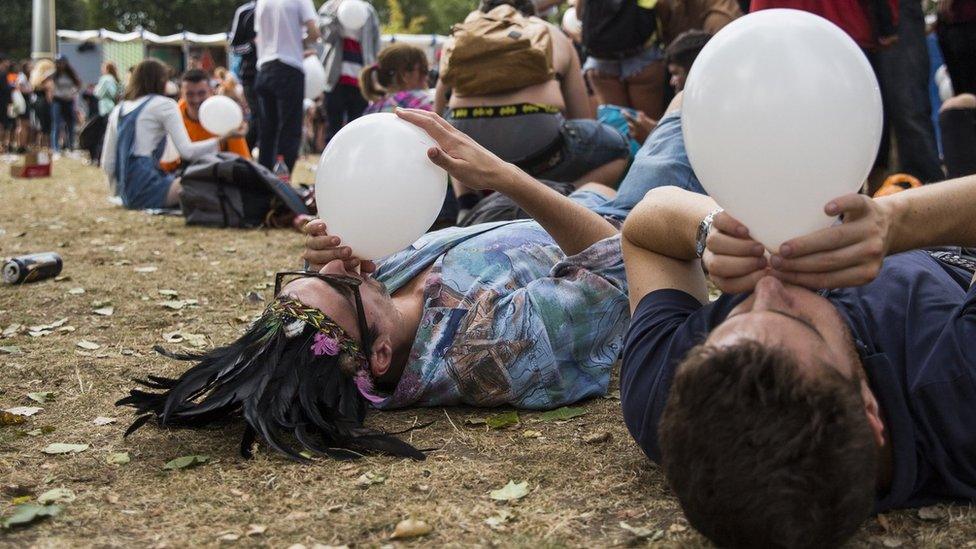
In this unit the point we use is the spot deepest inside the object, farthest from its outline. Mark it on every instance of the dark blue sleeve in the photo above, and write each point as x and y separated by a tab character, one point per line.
663	328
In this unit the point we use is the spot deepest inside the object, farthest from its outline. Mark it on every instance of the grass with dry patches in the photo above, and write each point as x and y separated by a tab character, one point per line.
579	494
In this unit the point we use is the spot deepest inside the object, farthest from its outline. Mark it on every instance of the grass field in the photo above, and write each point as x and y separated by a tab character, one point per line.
133	280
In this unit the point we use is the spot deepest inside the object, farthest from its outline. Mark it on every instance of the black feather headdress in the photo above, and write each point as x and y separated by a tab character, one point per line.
295	372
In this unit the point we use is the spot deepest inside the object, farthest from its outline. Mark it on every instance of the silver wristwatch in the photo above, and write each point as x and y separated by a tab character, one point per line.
703	228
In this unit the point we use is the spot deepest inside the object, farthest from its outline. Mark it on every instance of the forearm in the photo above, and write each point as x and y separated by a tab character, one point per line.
571	225
666	222
933	215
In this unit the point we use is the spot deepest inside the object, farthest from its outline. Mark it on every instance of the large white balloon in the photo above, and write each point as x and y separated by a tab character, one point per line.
353	14
220	115
314	77
375	187
781	113
571	22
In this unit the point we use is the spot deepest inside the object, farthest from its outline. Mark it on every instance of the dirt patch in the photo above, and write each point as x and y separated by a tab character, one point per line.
132	263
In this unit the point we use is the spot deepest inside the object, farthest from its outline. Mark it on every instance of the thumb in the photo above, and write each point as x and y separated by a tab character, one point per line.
442	159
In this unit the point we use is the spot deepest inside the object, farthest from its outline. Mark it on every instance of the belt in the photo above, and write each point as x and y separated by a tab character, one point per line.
504	111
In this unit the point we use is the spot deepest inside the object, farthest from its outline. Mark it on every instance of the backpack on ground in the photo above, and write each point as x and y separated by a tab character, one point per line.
617	29
496	52
225	190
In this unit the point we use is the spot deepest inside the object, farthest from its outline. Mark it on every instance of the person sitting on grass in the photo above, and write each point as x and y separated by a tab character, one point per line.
523	313
832	379
136	136
194	90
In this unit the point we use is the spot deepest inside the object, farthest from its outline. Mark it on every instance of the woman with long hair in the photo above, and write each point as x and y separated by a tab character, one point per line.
107	89
397	79
136	136
67	85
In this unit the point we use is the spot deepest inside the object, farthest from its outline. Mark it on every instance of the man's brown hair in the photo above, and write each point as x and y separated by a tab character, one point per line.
761	454
148	77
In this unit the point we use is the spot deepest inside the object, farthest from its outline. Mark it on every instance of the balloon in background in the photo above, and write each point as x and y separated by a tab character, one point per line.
375	187
571	22
221	115
781	113
314	77
944	83
353	14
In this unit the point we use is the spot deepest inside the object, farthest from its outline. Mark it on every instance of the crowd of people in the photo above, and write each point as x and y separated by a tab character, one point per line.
831	379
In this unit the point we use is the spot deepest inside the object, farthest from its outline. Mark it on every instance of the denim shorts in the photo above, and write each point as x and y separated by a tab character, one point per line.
587	145
624	68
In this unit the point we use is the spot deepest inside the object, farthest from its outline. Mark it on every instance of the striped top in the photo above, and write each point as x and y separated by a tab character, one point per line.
352	62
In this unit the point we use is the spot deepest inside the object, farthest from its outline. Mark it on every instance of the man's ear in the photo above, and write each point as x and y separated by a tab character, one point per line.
873	413
381	357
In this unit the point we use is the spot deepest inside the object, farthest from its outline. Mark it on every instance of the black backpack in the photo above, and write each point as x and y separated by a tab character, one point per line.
225	190
616	29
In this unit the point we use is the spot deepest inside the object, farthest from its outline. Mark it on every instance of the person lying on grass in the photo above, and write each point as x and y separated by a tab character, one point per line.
783	414
525	313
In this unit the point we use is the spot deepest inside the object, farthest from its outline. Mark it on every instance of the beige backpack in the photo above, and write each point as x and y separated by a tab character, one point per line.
497	52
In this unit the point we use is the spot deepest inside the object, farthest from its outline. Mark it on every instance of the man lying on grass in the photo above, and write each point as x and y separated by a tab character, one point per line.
525	313
783	414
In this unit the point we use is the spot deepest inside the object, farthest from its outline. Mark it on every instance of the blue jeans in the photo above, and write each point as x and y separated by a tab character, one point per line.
661	161
280	89
903	73
587	145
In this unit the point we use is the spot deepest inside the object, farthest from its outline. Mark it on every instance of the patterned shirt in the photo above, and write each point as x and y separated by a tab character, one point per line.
509	318
407	99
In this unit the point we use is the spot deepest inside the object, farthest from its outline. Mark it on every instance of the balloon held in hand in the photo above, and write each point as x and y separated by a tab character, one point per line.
375	186
781	114
221	115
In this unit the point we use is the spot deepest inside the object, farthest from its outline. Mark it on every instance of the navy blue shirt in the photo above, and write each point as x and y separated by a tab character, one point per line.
917	321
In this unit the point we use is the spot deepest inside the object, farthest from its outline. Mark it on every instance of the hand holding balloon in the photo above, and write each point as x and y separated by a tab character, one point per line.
846	254
322	248
734	261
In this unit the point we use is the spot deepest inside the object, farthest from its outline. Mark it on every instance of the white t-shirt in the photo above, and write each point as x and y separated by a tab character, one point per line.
280	28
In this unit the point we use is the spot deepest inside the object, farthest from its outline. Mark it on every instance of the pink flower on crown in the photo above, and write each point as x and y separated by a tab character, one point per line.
325	345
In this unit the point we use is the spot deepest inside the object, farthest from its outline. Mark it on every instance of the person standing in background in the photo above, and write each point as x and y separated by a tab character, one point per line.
242	37
67	86
280	83
957	40
107	90
347	51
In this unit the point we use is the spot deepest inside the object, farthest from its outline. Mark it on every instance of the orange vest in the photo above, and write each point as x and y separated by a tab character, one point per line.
197	132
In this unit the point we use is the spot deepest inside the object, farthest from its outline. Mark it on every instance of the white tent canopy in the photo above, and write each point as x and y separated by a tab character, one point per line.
178	39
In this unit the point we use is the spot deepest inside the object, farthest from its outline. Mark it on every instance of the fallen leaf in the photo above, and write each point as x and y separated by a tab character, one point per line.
57	495
62	278
11	330
101	303
932	512
147	269
40	333
411	528
51	326
6	418
561	414
368	479
531	434
20	500
63	448
175	304
638	531
186	462
499	518
168	293
253	298
243	319
118	458
84	344
256	529
511	491
100	420
475	421
26	411
500	421
173	337
597	437
677	528
105	311
230	536
76	291
11	350
41	396
27	513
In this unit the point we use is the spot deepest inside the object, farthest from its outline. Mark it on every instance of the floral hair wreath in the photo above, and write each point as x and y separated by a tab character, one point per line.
330	339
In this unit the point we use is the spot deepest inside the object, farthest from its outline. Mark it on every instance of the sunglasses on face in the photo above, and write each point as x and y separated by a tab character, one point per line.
344	285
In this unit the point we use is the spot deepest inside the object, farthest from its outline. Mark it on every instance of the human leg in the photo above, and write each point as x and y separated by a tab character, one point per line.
591	151
268	109
253	128
645	89
56	125
355	103
957	120
335	110
958	45
68	113
291	114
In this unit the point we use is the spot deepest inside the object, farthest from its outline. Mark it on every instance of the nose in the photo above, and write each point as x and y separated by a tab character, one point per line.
335	267
770	294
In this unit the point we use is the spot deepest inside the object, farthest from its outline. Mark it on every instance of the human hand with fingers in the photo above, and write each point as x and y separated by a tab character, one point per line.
734	261
322	248
844	255
462	157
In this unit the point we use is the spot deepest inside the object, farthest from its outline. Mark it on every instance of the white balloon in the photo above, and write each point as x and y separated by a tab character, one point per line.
943	83
781	113
353	14
314	77
220	115
571	22
375	187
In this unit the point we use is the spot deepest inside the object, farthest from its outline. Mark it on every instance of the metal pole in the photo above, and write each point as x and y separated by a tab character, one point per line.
44	40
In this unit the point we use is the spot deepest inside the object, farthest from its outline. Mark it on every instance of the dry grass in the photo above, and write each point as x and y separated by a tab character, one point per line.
580	492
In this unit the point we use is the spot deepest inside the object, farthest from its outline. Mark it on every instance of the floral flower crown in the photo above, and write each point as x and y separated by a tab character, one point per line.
330	338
